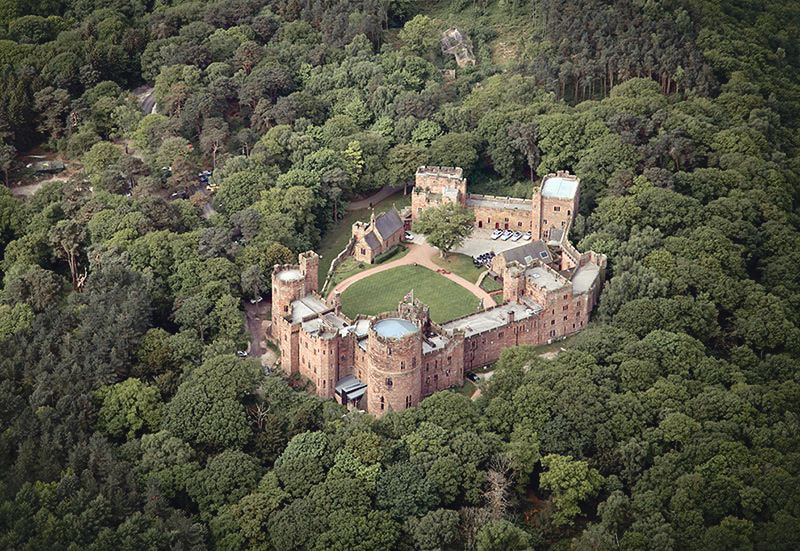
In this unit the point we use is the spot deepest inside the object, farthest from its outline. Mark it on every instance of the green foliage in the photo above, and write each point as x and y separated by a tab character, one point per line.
420	35
207	409
128	408
677	405
227	477
445	227
571	482
499	534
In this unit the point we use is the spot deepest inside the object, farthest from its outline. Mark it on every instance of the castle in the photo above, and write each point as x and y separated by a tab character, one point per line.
392	361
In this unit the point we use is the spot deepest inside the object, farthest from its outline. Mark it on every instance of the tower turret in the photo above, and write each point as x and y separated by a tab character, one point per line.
309	267
554	205
394	361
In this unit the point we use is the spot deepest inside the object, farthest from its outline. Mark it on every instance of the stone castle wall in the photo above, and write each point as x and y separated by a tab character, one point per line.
505	218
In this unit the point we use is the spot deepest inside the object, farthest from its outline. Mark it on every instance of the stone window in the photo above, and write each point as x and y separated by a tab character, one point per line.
519	224
402	365
556	209
388	351
324	384
414	362
447	373
565	307
569	213
389	383
506	220
552	322
565	318
285	307
363	250
427	380
500	335
381	403
408	401
544	222
553	333
449	361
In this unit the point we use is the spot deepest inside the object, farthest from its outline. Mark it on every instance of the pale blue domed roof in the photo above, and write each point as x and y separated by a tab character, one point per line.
394	328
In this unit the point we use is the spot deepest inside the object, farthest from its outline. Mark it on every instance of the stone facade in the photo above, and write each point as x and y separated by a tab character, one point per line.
552	205
392	361
377	236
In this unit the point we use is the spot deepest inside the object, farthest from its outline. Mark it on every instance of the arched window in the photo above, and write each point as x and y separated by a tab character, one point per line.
388	383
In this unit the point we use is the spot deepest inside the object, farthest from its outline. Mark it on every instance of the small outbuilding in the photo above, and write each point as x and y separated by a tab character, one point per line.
377	236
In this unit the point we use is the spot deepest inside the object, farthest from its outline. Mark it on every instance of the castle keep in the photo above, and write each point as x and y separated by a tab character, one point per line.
392	361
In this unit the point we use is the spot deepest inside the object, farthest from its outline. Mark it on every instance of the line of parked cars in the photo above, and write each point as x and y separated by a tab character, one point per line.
505	235
484	259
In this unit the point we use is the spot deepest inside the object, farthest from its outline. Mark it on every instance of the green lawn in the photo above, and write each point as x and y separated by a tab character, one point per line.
350	267
459	264
383	291
488	284
335	240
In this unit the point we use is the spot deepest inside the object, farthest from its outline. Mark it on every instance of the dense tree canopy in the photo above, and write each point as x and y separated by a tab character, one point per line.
128	421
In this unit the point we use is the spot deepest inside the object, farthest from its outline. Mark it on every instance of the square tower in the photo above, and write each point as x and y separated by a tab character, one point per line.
555	204
436	185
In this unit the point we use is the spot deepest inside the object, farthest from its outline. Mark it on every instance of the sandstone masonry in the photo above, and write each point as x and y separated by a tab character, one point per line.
392	361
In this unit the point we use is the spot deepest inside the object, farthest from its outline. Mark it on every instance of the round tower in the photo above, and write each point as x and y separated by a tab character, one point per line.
288	285
394	354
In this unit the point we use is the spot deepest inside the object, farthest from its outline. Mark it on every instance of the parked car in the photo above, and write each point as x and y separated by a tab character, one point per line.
242	354
497	233
516	237
527	236
506	235
484	259
408	236
472	377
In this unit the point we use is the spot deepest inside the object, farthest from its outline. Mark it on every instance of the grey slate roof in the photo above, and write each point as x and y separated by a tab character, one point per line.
388	223
372	241
555	234
536	250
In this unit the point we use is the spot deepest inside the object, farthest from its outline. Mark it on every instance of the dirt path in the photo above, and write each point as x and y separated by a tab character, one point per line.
255	316
374	199
145	97
418	255
30	189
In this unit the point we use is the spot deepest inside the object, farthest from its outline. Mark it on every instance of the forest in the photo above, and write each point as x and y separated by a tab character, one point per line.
129	422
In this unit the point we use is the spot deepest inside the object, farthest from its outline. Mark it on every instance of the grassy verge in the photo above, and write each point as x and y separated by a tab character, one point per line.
488	284
335	240
468	389
459	264
350	267
382	292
